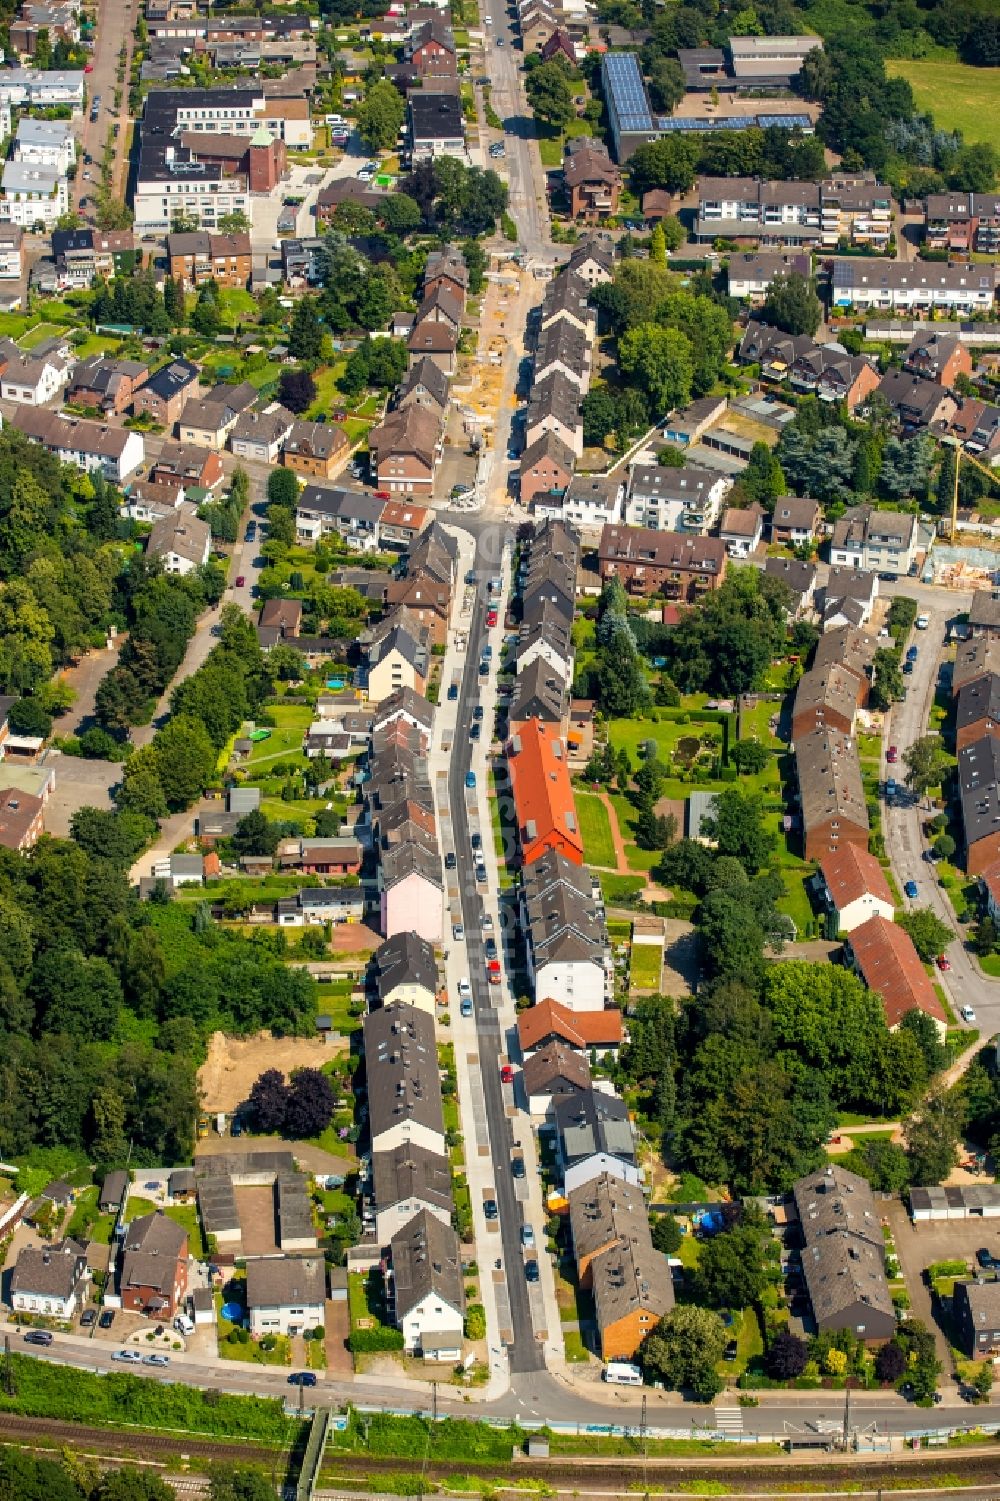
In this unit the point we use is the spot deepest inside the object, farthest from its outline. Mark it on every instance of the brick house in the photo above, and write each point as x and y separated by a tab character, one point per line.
652	562
546	467
22	821
105	385
318	450
977	710
405	450
154	1269
795	520
593	182
979	785
938	357
831	792
164	395
199	257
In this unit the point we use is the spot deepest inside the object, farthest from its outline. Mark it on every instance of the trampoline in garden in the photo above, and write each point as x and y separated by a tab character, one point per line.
233	1312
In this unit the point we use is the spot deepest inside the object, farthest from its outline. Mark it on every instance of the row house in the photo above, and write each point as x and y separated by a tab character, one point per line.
852	886
843	1260
544	806
554	407
831	792
917	404
315	450
977	710
649	562
908	285
566	941
884	956
979	791
630	1281
90	446
426	581
750	274
406	449
664	498
546	469
207	422
354	516
198	257
587	500
82	256
566	300
827	371
593	182
261	436
937	357
106	385
875	541
546	638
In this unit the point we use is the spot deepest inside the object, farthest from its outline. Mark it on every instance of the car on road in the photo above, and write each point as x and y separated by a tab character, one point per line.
506	1073
911	889
943	962
240	580
470	779
88	68
966	1013
531	1271
491	618
892	755
302	1378
155	1359
487	922
484	669
106	1319
481	872
491	948
987	1260
487	652
449	860
527	1237
912	653
476	841
907	668
465	1006
922	622
477	712
490	1209
37	1337
127	1357
475	730
493	971
458	931
517	1167
890	786
452	690
88	1318
465	989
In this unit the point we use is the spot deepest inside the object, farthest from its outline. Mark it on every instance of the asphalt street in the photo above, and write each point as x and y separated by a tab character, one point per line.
525	176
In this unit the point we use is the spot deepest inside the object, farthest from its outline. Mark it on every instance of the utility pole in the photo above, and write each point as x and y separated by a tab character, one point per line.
9	1385
434	1395
847	1418
645	1451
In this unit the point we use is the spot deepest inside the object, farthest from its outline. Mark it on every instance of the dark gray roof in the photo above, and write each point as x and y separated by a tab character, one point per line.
411	1172
829	776
406	958
426	1258
113	1187
800	577
350	505
979	781
171	379
556	1070
629	1278
152	1246
539	693
985	611
404	701
843	1261
567	293
974	659
49	1271
555	395
404	1083
286	1281
425	373
436	117
605	1210
549	445
411	857
548	625
594	1122
689	484
978	700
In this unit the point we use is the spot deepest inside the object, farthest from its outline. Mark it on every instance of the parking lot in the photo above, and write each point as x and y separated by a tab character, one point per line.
919	1246
79	784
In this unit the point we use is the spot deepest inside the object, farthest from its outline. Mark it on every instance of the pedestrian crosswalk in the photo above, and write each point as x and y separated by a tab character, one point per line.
729	1419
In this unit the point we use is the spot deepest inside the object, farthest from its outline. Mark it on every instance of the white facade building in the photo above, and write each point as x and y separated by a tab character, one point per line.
45	143
32	194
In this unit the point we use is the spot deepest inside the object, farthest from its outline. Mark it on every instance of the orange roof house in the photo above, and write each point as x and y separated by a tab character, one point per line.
543	794
884	957
583	1030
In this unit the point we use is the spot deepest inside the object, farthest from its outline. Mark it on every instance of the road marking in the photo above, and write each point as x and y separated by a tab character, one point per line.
729	1419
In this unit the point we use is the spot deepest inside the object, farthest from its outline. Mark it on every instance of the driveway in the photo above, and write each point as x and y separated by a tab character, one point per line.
913	1252
85	679
79	784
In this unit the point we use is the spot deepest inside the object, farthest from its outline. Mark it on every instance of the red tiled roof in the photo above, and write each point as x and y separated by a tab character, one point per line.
582	1029
543	793
990	878
889	964
851	873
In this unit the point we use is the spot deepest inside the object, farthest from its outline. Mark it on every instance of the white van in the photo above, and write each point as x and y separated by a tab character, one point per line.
621	1373
183	1324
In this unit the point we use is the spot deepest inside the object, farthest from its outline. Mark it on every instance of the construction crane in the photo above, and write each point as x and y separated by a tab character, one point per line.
960	455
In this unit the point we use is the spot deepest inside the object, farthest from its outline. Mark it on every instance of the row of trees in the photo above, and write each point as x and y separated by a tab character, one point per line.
26	1477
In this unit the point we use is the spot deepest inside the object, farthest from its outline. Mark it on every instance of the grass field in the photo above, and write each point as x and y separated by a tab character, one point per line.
647	966
291	723
958	96
616	888
40	331
595	826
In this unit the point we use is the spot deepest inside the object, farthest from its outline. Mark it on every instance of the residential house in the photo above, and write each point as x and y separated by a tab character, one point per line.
752	272
593	182
633	1290
843	1262
425	385
742	530
879	541
848	598
938	357
830	373
976	426
11	252
45	143
795	520
910	286
546	469
153	1277
597	1033
402	523
285	1294
977	710
315	450
197	257
34	380
552	1073
974	659
602	1213
425	1288
854	888
566	301
594	1136
106	385
975	1308
181	541
436	125
963	221
207	422
193	469
425	586
403	972
772	349
430	50
554	407
51	1280
113	1190
800	578
408	706
91	446
31	195
435	341
446	267
547	638
984	616
22	820
979	790
411	889
882	953
651	562
442	304
405	1182
397	659
831	793
164	395
565	348
560	44
350	514
544	807
539	693
282	615
664	498
83	255
592	260
406	448
916	404
403	1080
566	940
260	436
825	698
589	501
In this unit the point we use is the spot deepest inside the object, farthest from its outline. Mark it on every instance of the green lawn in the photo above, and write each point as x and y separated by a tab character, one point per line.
795	902
335	1001
616	888
626	814
291	721
186	1215
137	1207
595	827
327	391
40	331
236	303
630	734
958	96
576	1351
647	966
749	1342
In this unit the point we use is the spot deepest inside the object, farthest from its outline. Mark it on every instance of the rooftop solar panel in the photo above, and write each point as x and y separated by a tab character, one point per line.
628	94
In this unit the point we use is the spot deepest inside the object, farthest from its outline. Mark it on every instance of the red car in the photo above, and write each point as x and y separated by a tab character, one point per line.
381	495
892	755
493	969
943	962
240	581
491	618
506	1074
89	68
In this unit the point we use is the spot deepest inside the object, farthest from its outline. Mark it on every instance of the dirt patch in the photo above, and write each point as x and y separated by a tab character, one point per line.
256	1210
233	1063
353	938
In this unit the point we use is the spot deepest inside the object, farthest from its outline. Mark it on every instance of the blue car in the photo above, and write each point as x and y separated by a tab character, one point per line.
910	888
470	779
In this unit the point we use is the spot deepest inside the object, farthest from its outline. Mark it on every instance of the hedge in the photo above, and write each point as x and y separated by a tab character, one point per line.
367	1341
